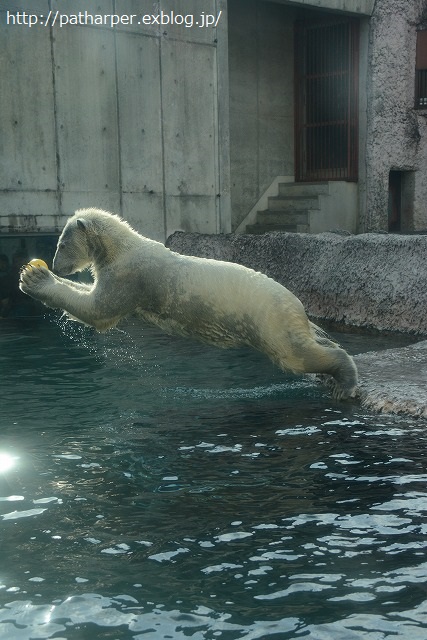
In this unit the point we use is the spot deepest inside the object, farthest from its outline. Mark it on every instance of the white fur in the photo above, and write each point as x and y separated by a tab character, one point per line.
217	302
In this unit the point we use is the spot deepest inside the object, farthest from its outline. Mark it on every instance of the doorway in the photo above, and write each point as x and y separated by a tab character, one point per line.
400	201
326	99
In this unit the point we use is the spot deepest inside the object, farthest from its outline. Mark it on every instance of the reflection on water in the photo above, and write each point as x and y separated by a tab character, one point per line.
151	487
6	462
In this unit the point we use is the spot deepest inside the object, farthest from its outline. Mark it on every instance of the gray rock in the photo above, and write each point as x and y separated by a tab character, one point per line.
394	380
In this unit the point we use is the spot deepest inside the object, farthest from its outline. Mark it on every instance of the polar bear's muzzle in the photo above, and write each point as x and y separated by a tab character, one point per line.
62	267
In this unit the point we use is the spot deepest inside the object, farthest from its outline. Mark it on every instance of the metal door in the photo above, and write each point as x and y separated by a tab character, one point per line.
326	100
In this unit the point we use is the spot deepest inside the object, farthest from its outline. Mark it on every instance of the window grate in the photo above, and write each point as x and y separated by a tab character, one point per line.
326	100
421	89
421	70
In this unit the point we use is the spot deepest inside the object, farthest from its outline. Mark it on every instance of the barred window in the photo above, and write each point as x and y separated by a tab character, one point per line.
421	70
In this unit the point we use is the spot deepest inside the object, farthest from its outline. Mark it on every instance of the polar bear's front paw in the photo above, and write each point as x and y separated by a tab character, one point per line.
34	280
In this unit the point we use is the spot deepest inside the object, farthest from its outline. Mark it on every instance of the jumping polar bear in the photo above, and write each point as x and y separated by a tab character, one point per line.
220	303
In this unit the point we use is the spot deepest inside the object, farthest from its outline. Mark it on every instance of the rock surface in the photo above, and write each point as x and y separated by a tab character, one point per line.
368	281
395	380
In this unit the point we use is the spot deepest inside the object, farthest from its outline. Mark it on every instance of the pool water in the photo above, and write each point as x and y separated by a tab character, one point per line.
153	487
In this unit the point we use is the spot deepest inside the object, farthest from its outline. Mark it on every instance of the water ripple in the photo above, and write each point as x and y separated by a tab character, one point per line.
162	489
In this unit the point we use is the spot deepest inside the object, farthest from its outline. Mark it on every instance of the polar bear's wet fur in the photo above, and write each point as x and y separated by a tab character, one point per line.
220	303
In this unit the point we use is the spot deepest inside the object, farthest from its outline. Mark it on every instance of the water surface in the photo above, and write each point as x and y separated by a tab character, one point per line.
152	487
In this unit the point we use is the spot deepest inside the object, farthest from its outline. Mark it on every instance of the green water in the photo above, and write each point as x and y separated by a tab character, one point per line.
152	487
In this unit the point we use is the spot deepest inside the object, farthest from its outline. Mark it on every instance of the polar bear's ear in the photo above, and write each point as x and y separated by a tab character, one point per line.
81	224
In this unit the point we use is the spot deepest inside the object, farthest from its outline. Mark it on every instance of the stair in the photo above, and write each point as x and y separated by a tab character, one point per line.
290	210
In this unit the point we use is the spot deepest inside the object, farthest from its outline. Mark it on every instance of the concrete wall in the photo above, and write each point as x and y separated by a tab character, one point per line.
261	99
133	118
261	54
362	7
338	209
136	118
396	132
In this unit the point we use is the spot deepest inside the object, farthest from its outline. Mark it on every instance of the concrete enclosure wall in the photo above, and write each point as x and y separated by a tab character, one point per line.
179	127
261	63
261	73
127	118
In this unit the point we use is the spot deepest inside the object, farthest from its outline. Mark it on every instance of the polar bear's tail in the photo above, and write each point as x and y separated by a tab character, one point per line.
336	362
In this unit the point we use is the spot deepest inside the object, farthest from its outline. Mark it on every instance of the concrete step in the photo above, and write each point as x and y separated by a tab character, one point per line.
290	209
293	203
280	217
303	188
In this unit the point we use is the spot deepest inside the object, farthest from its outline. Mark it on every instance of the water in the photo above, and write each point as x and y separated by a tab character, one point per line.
152	487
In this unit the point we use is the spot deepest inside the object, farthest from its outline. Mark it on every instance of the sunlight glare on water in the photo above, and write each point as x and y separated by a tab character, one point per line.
6	462
152	487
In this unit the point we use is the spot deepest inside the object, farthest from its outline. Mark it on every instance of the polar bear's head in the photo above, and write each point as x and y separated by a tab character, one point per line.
72	252
92	238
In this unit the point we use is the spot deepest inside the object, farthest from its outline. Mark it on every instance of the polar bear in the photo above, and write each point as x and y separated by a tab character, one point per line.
220	303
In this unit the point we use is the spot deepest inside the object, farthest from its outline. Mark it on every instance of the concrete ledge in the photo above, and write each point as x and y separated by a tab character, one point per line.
369	281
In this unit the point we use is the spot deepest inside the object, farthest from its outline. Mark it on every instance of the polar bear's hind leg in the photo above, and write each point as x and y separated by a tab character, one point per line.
327	357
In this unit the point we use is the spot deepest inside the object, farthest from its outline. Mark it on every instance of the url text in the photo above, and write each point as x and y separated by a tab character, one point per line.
164	18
